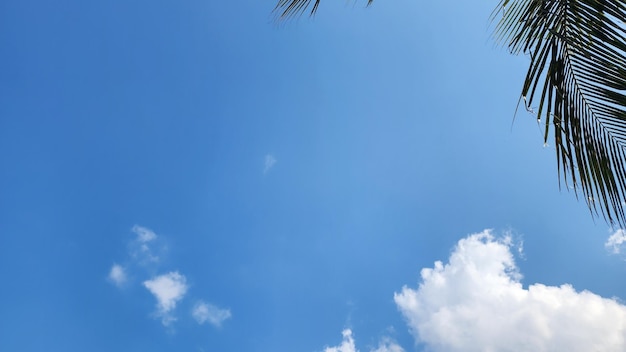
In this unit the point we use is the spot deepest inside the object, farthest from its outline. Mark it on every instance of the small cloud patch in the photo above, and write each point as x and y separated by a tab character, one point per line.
347	345
117	275
387	345
144	246
614	243
270	161
206	312
144	234
168	289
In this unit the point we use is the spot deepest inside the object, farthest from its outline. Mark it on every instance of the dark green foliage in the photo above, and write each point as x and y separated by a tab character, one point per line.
291	8
577	79
577	76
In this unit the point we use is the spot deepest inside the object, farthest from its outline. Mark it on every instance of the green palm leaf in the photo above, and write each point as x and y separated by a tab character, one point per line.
577	76
291	8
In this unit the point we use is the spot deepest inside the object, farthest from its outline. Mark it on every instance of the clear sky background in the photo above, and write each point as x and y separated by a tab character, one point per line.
193	176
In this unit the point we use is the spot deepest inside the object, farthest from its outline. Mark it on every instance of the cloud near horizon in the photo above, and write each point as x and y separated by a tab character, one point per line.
476	302
168	289
206	312
348	345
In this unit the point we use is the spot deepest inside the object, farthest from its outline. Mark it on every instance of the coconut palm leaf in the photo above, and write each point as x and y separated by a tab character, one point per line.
577	76
292	8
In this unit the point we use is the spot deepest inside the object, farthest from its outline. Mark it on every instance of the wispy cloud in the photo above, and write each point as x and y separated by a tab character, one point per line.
141	252
168	289
142	248
206	312
270	161
476	302
615	241
117	275
387	345
144	234
348	345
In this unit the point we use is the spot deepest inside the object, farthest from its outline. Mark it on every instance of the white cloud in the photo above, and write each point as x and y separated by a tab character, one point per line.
168	289
117	275
347	345
144	234
142	248
387	345
204	312
270	160
476	303
615	241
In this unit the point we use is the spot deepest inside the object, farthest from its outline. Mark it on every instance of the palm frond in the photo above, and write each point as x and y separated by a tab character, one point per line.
286	9
577	76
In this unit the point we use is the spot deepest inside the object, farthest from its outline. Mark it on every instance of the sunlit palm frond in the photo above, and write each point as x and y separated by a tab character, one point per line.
577	76
291	8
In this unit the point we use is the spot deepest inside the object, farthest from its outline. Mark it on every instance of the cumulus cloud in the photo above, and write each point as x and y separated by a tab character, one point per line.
615	241
476	302
206	312
347	345
168	289
117	275
145	252
270	160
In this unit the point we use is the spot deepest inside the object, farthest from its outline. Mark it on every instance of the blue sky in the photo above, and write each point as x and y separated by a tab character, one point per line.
192	176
